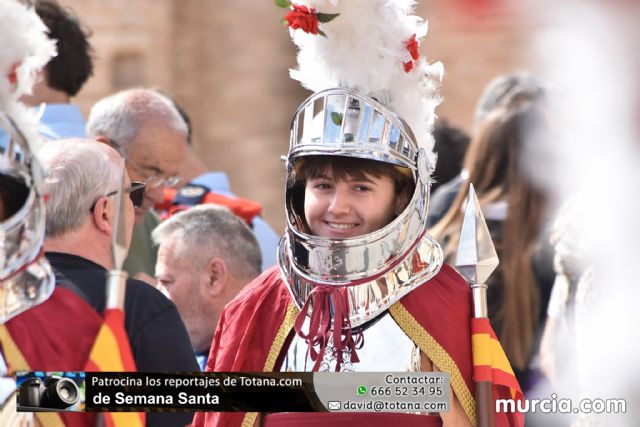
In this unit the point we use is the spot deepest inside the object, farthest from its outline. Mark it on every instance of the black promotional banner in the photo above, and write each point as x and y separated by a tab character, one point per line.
249	392
233	391
244	392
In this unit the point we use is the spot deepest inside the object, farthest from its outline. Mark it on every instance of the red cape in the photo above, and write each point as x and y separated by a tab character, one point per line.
254	328
56	335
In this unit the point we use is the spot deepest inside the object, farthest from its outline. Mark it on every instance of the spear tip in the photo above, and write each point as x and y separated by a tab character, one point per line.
476	258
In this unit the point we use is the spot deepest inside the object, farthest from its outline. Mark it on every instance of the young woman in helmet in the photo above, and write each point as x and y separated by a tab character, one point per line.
359	285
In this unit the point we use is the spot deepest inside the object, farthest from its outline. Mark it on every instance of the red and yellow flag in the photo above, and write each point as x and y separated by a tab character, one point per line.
490	364
111	352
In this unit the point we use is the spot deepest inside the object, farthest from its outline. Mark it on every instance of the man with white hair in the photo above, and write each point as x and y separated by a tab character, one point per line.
206	256
83	179
146	128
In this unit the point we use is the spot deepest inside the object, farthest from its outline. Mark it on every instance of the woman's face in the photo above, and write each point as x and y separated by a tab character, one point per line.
350	207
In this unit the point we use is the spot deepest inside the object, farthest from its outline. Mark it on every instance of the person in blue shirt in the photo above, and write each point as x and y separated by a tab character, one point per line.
63	76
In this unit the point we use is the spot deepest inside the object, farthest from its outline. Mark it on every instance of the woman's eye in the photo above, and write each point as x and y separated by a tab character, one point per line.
322	186
362	188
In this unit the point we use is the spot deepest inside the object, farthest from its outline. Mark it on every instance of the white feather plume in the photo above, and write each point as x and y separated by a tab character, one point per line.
26	44
365	49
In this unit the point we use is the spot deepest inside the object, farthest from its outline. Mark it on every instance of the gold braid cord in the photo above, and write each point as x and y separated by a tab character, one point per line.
13	355
281	336
437	355
16	361
274	352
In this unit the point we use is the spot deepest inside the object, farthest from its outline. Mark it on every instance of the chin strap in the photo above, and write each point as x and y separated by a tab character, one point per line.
324	298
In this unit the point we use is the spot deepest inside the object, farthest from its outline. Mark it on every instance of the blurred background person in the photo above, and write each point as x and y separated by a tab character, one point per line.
451	144
574	276
504	91
508	90
206	256
148	130
515	211
589	50
200	185
64	76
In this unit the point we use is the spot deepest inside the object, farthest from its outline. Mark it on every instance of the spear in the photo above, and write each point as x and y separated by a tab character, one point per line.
476	259
118	355
117	279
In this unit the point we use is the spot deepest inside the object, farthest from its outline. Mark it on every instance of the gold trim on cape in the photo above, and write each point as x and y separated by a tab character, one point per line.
437	355
414	331
276	347
16	361
281	336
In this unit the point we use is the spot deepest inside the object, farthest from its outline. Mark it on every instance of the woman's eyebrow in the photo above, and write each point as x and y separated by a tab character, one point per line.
322	177
363	179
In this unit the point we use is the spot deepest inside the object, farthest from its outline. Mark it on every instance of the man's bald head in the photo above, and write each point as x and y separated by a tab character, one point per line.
148	130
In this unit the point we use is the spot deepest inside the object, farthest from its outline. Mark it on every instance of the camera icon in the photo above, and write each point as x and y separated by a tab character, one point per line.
53	393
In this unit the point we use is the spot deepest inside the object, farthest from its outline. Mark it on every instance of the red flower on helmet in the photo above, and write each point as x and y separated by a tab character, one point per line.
303	18
412	47
13	74
408	66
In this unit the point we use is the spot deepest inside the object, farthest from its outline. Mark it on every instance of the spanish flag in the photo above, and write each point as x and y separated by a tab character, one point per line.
490	364
111	352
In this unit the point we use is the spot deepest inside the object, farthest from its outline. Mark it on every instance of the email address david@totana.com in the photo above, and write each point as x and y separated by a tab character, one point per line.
383	406
554	405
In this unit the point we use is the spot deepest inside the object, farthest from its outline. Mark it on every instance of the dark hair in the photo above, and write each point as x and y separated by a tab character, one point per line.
451	145
342	168
351	167
72	66
494	163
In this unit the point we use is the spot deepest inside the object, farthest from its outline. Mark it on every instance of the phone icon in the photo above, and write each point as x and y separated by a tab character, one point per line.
362	390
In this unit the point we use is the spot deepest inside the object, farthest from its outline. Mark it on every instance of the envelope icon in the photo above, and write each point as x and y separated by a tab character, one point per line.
334	406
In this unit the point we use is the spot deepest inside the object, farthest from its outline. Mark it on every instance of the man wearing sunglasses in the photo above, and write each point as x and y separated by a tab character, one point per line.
145	127
135	192
82	188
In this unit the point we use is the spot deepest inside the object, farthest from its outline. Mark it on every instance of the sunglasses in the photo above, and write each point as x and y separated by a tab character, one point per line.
136	194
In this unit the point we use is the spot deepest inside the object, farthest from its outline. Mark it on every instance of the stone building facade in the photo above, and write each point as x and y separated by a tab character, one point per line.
227	64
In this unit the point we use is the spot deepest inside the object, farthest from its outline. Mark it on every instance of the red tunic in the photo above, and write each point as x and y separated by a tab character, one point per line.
56	335
253	330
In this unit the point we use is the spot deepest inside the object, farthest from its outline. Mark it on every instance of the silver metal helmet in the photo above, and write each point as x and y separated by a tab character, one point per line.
378	268
25	275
